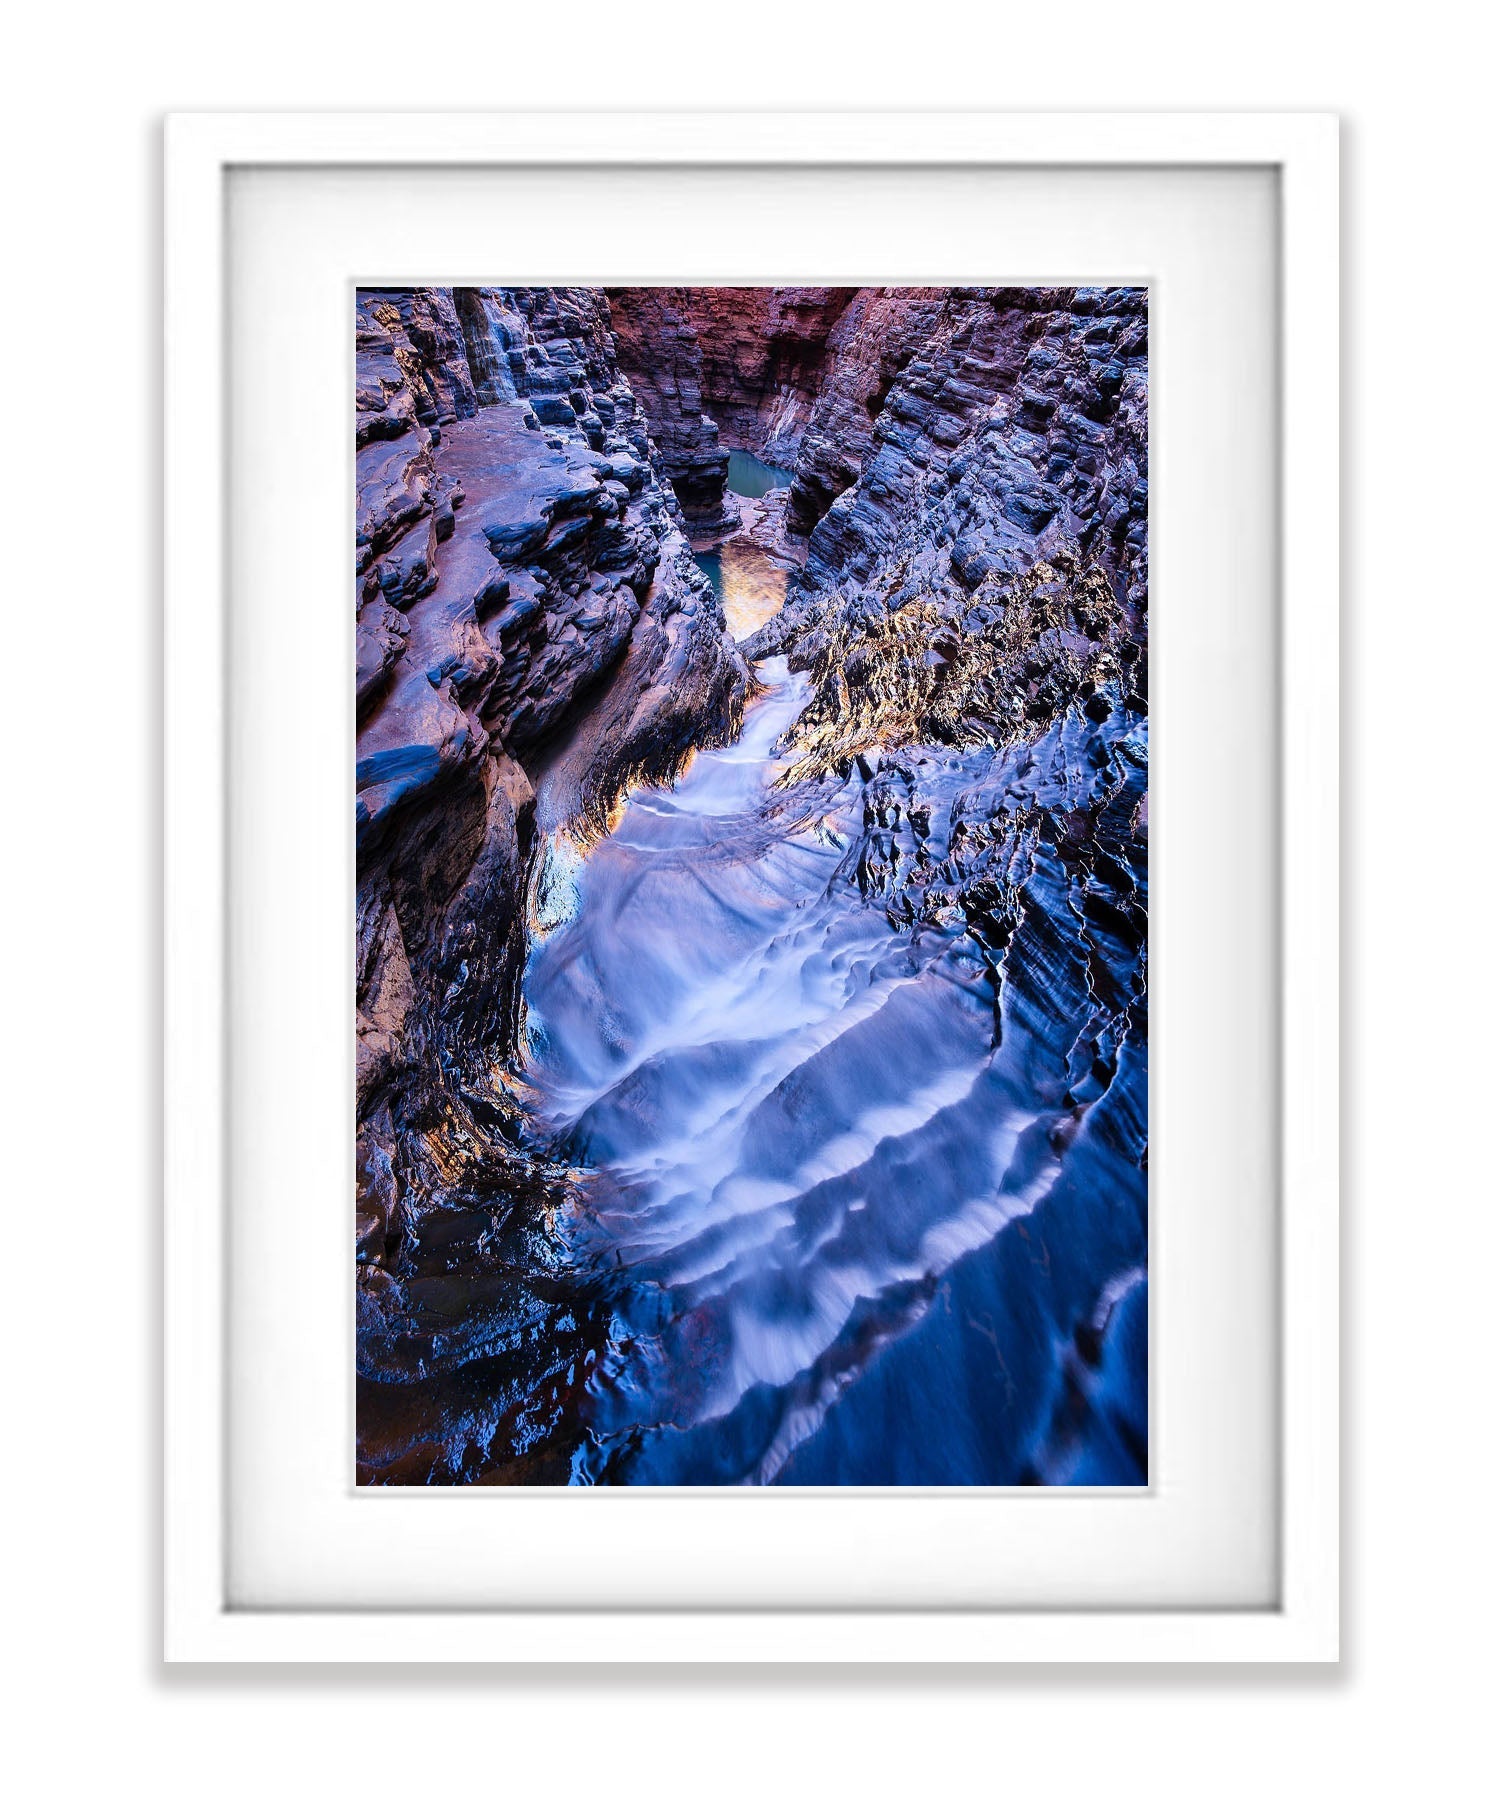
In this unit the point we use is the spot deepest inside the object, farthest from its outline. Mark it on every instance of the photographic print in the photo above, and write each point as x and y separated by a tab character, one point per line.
751	894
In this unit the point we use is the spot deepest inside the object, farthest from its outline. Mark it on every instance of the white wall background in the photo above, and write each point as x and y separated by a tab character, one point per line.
90	1707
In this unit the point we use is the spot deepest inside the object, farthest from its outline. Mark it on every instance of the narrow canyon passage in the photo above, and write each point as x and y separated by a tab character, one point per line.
751	918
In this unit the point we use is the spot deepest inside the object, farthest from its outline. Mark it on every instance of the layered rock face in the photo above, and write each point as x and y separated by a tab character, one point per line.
659	353
764	353
829	381
982	582
1009	449
531	632
876	337
717	369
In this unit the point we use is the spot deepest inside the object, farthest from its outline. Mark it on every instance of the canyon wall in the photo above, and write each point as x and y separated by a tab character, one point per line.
531	632
825	381
764	352
660	354
982	581
750	369
1013	431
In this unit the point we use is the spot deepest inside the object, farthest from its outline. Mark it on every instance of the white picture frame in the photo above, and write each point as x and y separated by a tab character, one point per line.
201	1621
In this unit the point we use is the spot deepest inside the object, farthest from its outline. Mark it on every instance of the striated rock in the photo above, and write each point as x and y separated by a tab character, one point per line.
659	353
1014	434
523	599
874	340
529	621
874	389
409	350
982	581
965	549
763	353
919	671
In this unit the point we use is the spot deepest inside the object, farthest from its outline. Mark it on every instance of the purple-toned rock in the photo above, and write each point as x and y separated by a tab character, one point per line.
658	352
531	632
964	543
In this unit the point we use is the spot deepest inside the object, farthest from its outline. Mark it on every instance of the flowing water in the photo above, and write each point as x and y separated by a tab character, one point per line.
809	1148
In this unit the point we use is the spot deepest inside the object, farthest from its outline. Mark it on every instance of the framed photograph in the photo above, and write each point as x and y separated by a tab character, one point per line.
673	1178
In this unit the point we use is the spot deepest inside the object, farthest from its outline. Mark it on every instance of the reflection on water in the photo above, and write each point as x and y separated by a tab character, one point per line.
749	476
751	585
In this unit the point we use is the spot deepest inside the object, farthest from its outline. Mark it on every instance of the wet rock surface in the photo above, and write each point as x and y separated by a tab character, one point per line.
955	790
531	633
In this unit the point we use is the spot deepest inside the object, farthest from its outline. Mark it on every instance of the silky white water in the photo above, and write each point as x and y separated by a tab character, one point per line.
794	1105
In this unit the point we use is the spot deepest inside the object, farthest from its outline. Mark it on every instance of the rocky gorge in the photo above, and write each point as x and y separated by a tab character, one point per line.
751	839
